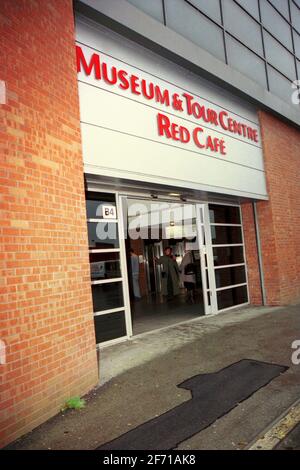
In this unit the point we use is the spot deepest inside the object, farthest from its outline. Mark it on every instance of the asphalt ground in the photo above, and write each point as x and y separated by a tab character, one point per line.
145	373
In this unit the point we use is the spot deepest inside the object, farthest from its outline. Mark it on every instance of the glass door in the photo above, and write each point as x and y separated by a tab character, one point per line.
229	263
205	242
161	228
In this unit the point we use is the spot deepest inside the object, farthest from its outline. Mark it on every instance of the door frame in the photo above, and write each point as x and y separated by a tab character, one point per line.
206	258
201	214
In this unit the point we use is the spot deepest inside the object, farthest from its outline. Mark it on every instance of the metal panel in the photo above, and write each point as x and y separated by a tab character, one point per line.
280	85
295	16
251	6
211	8
122	17
296	38
200	30
242	26
279	57
282	6
153	8
246	61
276	24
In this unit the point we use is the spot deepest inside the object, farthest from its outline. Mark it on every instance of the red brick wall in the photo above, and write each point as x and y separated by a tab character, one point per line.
45	297
279	218
251	254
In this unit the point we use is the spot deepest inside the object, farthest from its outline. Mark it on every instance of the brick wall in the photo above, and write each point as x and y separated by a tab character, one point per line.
45	297
251	254
279	218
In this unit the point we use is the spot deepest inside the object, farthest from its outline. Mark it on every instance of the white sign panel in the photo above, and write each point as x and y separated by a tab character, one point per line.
109	212
146	119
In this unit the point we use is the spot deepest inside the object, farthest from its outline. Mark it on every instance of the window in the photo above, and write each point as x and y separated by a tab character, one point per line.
110	326
105	265
229	297
103	235
226	235
107	296
230	276
224	214
95	203
228	255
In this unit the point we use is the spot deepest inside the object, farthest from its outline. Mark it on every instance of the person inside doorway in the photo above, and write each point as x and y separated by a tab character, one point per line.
188	273
135	274
169	274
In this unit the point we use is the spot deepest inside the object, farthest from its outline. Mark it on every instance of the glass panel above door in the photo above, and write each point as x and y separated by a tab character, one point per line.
95	203
219	214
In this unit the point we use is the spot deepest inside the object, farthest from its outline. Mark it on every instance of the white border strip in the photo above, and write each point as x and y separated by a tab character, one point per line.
106	281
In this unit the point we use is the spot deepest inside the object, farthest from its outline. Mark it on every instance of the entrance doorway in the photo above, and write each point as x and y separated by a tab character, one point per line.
166	262
117	223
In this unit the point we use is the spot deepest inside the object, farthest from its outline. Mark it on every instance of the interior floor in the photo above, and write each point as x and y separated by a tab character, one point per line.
154	312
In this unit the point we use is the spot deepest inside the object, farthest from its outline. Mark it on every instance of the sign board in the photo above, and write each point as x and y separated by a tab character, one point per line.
109	212
146	119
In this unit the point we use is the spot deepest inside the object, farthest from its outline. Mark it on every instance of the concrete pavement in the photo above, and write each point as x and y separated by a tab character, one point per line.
146	372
